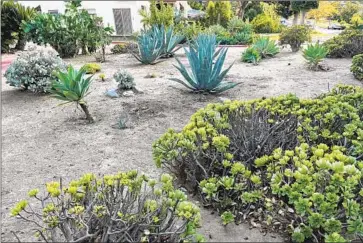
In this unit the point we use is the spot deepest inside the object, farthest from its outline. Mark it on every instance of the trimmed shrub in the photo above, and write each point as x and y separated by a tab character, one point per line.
33	70
91	68
289	164
125	207
347	44
265	24
119	49
124	79
357	67
295	36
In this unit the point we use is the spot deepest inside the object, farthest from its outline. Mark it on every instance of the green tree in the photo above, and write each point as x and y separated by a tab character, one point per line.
155	16
302	7
219	13
347	11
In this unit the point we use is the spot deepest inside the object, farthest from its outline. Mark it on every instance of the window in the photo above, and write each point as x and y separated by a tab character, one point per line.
55	12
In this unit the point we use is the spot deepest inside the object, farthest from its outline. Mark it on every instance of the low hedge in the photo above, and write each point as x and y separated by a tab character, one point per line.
290	164
347	44
357	67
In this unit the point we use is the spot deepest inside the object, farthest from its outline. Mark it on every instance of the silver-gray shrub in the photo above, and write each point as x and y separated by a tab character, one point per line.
32	70
124	79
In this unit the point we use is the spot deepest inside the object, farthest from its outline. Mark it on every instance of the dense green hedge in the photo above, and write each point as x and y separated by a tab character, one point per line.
291	164
357	67
347	44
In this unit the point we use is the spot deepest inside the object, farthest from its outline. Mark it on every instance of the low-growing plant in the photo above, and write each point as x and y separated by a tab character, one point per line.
251	55
217	30
265	24
33	70
72	87
236	25
124	80
266	47
190	31
347	44
314	54
125	207
289	164
92	68
119	49
150	43
122	122
357	67
295	36
102	76
206	67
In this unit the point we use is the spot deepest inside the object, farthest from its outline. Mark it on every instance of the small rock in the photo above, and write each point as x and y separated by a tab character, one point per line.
138	90
112	93
71	164
128	93
223	99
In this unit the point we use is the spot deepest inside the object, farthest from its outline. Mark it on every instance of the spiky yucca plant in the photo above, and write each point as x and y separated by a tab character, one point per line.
251	55
72	86
266	47
314	54
206	66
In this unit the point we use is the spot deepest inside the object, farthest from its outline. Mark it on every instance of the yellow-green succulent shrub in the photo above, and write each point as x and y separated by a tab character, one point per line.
235	153
92	67
125	207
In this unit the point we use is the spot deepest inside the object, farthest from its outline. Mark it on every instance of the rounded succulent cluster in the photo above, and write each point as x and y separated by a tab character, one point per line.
33	70
125	207
292	164
124	79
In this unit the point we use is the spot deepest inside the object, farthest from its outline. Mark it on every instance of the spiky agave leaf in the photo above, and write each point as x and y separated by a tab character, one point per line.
150	43
206	64
171	40
266	47
251	55
314	54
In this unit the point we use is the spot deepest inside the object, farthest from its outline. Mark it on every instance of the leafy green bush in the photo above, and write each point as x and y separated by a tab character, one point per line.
266	47
217	30
347	44
240	36
218	12
236	25
125	207
10	24
72	87
265	24
163	16
206	67
32	70
290	164
92	67
357	67
124	79
119	49
190	31
295	36
251	55
314	54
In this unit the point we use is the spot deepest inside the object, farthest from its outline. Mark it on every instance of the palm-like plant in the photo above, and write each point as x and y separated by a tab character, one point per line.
72	86
206	66
314	54
266	47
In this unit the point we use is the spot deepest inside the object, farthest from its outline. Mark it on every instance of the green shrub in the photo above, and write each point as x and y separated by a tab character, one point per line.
163	16
236	25
265	24
287	163
124	79
314	54
347	44
10	24
119	49
206	67
33	70
295	36
251	55
72	87
219	12
92	68
357	67
190	31
217	30
266	47
125	207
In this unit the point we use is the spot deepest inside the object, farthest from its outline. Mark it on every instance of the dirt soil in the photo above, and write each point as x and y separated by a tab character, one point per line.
42	142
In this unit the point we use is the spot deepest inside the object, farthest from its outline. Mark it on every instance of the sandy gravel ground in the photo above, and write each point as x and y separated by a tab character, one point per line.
42	142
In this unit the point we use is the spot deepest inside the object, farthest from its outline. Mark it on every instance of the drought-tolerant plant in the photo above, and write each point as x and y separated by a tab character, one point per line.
265	24
171	40
235	25
124	207
72	87
218	12
32	70
289	164
119	49
160	16
150	44
347	44
206	67
266	47
190	31
92	67
295	36
251	55
10	23
357	67
314	54
124	80
102	76
217	30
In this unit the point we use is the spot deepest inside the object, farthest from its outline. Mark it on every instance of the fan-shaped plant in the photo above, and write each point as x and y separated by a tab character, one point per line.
206	66
150	43
251	55
72	86
171	40
266	47
314	54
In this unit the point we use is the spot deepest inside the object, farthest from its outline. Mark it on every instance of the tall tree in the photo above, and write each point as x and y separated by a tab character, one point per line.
302	7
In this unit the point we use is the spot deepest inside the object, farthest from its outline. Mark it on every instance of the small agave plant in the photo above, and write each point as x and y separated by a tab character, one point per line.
206	66
251	55
72	86
171	41
314	54
266	47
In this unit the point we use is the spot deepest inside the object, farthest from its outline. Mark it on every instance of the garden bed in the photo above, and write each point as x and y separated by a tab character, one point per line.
42	142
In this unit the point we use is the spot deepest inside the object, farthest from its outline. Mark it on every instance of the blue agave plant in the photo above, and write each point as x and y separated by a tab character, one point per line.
206	66
171	41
